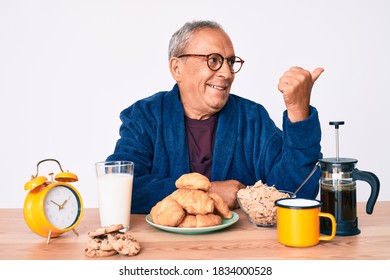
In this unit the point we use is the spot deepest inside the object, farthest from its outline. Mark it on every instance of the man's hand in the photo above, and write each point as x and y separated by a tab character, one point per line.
296	85
228	191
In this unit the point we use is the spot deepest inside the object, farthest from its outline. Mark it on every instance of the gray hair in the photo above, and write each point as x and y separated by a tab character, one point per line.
181	37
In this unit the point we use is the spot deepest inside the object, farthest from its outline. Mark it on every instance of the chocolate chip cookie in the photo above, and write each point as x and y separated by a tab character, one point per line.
105	230
124	243
100	243
95	253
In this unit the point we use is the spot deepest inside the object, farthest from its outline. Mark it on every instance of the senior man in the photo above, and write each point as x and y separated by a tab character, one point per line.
200	126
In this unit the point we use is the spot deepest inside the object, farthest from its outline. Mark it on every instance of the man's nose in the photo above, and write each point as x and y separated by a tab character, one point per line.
225	70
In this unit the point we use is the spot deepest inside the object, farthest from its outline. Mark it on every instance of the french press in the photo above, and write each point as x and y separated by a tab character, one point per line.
338	191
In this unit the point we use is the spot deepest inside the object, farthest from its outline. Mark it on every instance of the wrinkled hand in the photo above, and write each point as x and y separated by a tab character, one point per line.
228	191
296	85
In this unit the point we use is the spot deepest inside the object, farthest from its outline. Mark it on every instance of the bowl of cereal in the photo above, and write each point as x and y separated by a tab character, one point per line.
258	203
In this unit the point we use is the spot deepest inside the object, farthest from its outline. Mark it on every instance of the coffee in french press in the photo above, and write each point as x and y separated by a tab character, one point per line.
338	191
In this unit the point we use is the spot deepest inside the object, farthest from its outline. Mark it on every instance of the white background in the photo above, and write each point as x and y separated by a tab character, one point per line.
67	68
281	269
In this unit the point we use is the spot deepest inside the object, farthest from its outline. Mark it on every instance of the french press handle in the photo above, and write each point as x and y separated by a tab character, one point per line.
373	181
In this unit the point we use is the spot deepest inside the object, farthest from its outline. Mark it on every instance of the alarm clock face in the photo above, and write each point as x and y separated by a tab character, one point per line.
62	206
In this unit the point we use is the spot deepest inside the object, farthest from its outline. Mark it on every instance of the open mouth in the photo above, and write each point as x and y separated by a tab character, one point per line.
217	87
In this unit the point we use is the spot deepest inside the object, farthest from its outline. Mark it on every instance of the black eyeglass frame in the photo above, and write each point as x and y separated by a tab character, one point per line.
228	59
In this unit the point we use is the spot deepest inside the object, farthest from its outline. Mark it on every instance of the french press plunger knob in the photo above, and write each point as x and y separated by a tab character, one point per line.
338	190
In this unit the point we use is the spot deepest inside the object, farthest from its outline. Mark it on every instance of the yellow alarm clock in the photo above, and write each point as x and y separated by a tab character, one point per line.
54	207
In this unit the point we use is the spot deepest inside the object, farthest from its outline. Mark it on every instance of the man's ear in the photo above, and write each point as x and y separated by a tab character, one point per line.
174	66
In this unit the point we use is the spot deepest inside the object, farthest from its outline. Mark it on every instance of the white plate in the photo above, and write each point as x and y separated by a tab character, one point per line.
225	223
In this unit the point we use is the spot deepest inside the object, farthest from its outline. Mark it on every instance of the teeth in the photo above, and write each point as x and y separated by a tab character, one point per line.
216	87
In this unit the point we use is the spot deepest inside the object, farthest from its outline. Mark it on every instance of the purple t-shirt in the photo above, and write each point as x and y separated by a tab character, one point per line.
200	138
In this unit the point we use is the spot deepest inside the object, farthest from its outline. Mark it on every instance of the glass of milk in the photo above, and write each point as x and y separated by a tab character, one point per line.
115	185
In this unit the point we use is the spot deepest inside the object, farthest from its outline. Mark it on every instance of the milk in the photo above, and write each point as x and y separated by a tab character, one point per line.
114	194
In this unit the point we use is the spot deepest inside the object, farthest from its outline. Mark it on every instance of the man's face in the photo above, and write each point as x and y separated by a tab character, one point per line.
203	91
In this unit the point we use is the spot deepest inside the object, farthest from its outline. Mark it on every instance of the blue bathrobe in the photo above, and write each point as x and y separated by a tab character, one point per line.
248	147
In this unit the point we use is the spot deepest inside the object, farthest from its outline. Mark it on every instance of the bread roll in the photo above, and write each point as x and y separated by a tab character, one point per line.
208	220
194	201
189	221
220	206
167	212
194	181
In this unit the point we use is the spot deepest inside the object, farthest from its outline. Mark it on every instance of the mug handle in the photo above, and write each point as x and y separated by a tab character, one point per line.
333	233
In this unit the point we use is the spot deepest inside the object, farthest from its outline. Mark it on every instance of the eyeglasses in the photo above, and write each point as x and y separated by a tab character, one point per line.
215	61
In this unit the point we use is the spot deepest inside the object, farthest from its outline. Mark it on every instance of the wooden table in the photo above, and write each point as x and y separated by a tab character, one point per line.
241	241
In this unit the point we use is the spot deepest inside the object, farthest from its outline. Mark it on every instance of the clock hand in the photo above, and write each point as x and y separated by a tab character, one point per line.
62	205
59	206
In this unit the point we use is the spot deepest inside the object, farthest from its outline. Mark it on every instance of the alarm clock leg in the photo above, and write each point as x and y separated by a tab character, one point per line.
75	232
48	237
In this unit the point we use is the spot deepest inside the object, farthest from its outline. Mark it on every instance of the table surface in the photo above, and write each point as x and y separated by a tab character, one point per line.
240	241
